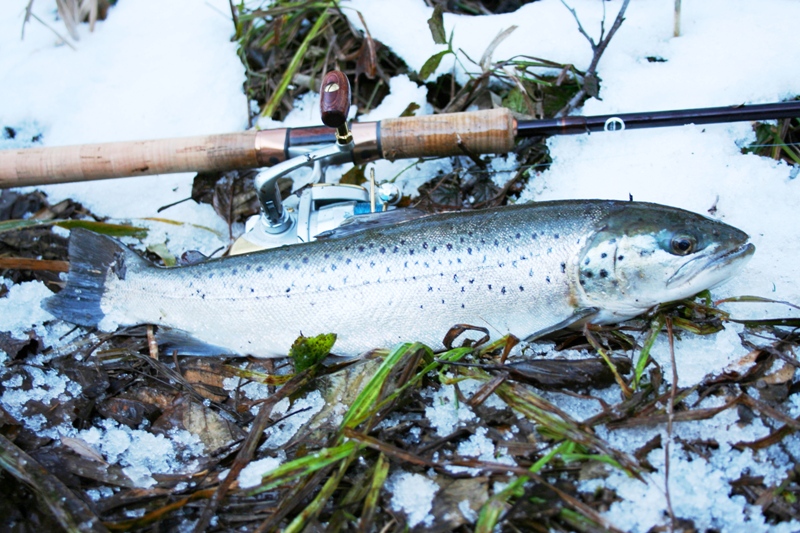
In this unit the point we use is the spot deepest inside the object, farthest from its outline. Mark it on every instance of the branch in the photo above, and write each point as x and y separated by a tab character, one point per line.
590	78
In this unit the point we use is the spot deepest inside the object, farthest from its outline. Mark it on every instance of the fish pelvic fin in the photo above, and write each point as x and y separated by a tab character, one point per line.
579	317
91	258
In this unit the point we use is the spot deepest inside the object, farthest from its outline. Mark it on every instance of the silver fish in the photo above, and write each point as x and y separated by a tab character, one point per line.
527	270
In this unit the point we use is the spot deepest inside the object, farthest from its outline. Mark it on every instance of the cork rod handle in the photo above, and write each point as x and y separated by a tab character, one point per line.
479	132
46	165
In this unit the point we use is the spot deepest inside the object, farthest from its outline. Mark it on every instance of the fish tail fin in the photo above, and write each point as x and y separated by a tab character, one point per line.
92	258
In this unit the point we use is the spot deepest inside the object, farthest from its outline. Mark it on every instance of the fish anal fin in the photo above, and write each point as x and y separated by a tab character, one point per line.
171	340
579	317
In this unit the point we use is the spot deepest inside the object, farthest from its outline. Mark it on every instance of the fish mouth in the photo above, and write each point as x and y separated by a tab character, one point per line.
714	264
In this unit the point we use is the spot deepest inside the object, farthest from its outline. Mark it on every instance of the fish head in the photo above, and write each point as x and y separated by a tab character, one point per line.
644	254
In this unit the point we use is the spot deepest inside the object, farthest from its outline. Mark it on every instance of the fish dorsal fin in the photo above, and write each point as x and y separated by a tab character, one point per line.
579	316
360	223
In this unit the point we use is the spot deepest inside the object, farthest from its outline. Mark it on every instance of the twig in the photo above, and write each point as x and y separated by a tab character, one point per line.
670	418
598	49
261	422
46	25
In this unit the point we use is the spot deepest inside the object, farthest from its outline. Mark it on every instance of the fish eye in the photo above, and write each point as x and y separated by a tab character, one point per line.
683	244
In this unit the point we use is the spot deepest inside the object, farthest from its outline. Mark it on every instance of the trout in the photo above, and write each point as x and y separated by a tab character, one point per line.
527	270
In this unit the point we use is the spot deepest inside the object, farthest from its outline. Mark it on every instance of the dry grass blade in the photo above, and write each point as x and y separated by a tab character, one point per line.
69	510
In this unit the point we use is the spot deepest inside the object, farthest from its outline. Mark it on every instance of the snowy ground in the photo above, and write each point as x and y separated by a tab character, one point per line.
141	75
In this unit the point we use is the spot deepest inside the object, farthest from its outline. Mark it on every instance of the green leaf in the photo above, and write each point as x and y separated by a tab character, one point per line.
308	351
515	101
113	230
436	24
432	64
161	250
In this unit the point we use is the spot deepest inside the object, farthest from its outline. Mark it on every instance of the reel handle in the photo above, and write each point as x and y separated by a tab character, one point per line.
334	104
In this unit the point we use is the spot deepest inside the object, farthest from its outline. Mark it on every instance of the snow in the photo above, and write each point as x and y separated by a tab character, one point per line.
251	475
412	494
157	69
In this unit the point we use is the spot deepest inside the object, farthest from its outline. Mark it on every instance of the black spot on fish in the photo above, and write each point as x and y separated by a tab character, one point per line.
288	289
259	268
442	302
563	268
503	290
462	306
490	286
247	267
620	258
426	264
411	251
330	287
372	263
382	250
547	279
582	282
211	275
430	289
371	245
603	273
327	256
517	236
462	289
424	245
612	241
521	288
471	281
469	251
587	261
449	246
348	261
534	236
496	242
202	296
252	290
603	255
461	240
555	236
403	241
234	271
333	266
433	249
360	248
500	264
286	266
421	307
396	249
588	273
305	260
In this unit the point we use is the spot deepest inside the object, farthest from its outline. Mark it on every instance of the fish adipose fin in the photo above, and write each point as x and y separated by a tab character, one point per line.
578	317
92	258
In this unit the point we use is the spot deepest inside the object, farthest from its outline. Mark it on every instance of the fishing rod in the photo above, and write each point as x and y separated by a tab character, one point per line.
452	134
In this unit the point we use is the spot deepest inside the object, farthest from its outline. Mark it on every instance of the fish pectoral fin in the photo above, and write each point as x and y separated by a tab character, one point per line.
578	317
170	340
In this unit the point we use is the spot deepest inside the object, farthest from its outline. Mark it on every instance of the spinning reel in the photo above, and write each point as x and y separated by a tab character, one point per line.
323	206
